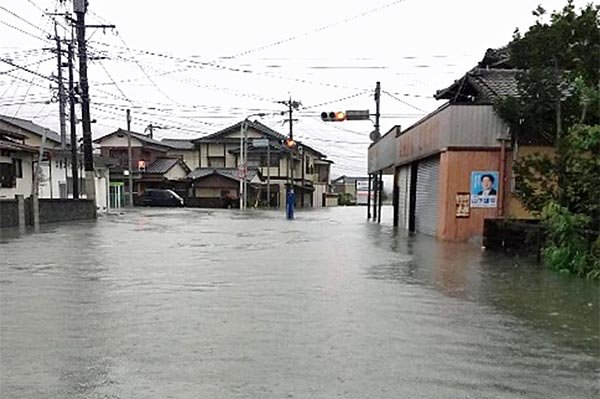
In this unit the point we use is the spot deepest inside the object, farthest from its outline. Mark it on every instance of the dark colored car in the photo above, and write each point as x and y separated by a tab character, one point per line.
160	197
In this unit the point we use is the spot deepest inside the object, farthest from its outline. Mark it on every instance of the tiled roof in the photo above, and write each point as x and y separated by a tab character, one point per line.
162	165
254	125
32	127
483	85
230	173
178	144
495	82
141	137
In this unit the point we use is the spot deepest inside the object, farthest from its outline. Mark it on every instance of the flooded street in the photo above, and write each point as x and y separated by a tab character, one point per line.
188	303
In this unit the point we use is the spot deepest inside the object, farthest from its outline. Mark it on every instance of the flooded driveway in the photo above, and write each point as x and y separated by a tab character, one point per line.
196	304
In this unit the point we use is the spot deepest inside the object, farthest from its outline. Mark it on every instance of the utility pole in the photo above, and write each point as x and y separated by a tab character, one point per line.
129	160
73	123
269	174
242	165
80	8
377	177
61	91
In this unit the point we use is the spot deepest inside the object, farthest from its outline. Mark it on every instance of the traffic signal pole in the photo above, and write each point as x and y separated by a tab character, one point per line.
377	177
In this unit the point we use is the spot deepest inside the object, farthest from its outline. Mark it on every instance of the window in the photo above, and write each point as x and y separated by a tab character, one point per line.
216	162
7	175
18	168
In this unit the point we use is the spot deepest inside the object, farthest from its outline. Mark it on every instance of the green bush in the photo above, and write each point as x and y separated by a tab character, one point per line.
568	246
346	199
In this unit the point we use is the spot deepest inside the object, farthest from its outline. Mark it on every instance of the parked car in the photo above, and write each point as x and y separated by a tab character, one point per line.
160	197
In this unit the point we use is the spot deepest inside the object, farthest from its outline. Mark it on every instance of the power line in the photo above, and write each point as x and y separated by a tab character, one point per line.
22	31
403	102
26	66
23	19
319	29
336	100
36	73
112	80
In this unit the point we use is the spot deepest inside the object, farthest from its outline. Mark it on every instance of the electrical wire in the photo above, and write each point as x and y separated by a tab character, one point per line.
23	20
318	30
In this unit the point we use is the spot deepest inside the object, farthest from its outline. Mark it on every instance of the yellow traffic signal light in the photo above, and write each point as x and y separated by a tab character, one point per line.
338	116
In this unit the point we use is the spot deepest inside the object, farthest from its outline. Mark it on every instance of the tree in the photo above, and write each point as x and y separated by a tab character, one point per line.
558	103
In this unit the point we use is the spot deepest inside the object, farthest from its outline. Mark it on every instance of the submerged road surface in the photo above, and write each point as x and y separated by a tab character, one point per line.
197	304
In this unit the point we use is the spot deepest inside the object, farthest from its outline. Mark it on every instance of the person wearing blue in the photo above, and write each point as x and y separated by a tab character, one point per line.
290	202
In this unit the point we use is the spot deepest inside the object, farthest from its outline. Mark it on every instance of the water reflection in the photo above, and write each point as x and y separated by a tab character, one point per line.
187	303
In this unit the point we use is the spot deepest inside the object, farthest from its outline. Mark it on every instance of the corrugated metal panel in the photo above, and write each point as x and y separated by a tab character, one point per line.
403	196
475	126
426	210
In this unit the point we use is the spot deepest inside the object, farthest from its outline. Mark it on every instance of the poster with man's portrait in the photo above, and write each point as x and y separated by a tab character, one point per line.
484	189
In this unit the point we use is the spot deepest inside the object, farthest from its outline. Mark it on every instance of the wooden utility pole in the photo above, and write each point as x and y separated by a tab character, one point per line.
73	123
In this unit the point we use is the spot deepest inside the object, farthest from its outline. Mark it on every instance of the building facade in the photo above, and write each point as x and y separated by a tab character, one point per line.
453	169
55	178
270	163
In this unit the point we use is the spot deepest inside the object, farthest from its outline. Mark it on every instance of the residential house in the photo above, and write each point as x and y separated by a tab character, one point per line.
16	166
351	185
270	164
441	163
55	179
183	149
153	165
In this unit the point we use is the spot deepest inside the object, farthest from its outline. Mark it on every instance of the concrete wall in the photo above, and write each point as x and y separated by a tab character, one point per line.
9	213
61	210
51	211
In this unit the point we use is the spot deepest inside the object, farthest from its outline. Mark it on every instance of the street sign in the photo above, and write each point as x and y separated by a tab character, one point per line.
358	115
260	143
242	172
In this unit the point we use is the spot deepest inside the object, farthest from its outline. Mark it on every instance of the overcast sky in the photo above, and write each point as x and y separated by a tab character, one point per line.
194	67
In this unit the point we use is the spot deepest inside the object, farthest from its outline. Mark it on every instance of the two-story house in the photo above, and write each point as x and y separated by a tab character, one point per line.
153	164
55	178
271	167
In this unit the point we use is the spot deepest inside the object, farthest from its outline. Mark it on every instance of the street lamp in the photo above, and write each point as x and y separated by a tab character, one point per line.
243	166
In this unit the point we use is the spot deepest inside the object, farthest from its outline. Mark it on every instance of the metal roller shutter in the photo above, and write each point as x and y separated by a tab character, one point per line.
403	196
426	209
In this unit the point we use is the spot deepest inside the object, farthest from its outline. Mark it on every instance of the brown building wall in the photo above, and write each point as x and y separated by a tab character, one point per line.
455	177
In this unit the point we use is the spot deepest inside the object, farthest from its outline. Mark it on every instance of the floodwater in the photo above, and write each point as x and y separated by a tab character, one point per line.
185	303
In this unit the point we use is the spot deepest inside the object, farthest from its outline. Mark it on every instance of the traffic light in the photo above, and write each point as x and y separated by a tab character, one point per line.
338	116
289	143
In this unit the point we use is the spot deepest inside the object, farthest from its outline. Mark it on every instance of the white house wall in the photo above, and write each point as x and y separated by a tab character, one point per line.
116	141
177	172
25	183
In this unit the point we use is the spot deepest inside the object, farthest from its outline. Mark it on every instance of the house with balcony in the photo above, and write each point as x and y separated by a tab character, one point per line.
271	167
